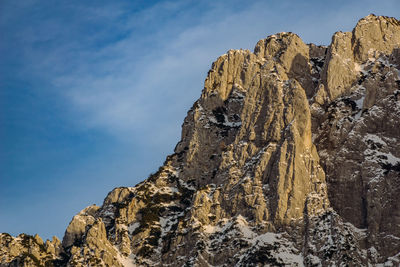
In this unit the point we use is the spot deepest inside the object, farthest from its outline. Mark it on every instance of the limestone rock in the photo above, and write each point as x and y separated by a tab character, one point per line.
371	37
77	227
290	157
26	250
358	143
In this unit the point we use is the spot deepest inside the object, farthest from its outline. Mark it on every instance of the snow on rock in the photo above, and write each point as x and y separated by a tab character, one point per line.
132	227
245	185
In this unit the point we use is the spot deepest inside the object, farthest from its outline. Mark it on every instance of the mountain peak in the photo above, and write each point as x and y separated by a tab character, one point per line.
289	157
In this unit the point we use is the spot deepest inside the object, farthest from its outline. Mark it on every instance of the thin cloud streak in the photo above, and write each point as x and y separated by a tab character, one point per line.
127	84
124	102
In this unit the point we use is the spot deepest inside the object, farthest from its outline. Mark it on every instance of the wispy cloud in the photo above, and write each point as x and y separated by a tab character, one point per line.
140	73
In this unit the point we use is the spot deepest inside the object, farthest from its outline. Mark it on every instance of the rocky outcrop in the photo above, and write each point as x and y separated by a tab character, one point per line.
358	144
26	250
289	157
371	37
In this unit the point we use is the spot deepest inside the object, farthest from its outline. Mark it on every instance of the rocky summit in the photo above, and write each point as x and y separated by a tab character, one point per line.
290	157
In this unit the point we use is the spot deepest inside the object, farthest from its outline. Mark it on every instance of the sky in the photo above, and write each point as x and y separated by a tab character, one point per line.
93	93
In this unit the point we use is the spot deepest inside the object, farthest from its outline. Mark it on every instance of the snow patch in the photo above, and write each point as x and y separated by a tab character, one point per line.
127	262
378	156
210	229
167	190
374	138
132	227
226	122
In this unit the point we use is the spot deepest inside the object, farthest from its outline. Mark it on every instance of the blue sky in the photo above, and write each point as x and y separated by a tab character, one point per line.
93	93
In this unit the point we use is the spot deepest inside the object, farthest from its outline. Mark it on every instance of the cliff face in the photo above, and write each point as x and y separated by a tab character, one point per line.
291	156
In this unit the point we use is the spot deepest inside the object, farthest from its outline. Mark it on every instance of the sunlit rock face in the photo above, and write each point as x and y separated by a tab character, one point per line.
290	157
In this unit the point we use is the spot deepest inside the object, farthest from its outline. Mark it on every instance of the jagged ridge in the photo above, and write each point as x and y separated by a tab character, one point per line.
289	157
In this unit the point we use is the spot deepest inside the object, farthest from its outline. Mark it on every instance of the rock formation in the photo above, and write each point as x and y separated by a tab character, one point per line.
291	157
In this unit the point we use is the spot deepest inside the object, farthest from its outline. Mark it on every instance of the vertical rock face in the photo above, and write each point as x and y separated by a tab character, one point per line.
290	157
357	134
